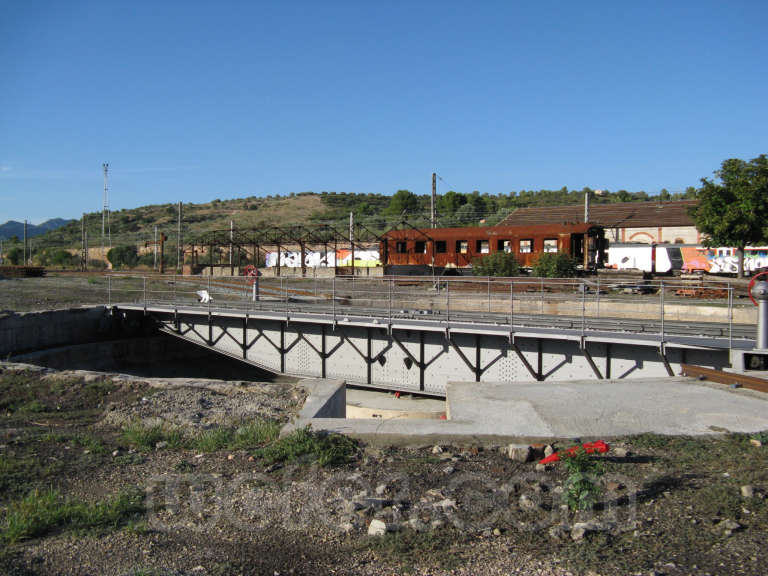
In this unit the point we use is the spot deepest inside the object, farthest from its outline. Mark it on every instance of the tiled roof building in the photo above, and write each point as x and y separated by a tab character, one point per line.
624	221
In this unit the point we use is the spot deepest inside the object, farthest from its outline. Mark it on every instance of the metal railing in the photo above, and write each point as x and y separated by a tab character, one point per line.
662	307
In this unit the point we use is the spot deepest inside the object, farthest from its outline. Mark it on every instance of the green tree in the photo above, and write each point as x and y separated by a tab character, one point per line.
123	257
403	202
448	203
14	256
554	265
734	211
502	264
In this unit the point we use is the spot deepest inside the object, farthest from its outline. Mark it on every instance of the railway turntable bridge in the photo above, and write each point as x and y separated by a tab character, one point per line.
417	334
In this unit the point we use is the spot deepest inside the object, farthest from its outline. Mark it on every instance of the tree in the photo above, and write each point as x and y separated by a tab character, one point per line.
403	202
14	256
554	265
123	256
502	264
734	211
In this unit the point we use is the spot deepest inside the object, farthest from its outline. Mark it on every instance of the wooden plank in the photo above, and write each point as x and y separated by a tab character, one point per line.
721	377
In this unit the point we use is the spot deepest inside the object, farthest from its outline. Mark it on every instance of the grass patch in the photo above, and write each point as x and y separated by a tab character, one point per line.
40	513
147	436
247	437
305	444
408	549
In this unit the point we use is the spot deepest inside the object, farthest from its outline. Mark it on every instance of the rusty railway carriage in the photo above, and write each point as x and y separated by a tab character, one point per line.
427	250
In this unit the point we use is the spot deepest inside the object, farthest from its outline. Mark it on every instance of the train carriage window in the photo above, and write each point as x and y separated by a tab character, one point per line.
462	246
550	244
526	246
441	246
401	247
504	245
420	247
481	247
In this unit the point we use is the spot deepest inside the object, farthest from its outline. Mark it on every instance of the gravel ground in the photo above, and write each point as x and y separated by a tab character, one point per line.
668	505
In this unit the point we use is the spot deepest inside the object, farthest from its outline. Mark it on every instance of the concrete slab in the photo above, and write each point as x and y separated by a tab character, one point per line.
609	408
383	404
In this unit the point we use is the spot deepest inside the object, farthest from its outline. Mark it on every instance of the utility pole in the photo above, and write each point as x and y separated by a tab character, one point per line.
105	229
231	238
83	248
179	251
1	250
25	242
154	265
352	240
434	200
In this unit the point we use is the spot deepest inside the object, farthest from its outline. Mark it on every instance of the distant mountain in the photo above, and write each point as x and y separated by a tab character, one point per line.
13	228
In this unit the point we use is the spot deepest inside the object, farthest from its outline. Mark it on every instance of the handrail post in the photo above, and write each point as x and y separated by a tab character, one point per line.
511	305
144	280
661	292
391	282
597	298
730	317
541	295
333	299
583	306
489	294
448	300
210	296
109	291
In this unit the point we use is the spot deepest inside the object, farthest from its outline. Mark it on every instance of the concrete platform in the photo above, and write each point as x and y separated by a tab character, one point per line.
522	412
675	406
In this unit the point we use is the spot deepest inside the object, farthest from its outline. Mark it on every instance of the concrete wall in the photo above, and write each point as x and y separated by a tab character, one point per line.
38	330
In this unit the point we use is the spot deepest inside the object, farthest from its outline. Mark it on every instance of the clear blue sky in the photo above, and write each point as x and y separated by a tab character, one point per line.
200	100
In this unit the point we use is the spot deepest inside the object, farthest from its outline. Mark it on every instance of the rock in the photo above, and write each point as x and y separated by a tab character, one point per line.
548	450
526	503
755	442
161	444
731	525
380	489
541	467
581	529
115	452
747	491
346	527
558	532
496	532
437	450
446	504
449	470
620	452
230	456
613	486
519	453
379	527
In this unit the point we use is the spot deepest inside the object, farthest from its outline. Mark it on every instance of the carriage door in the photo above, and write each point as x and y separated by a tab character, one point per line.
577	247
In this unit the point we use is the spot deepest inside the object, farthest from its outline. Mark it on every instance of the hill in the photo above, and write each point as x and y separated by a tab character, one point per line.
136	225
13	228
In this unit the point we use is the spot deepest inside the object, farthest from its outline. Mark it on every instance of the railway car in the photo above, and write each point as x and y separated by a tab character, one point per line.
418	251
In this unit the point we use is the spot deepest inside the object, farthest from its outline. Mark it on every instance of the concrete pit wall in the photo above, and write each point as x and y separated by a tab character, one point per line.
30	331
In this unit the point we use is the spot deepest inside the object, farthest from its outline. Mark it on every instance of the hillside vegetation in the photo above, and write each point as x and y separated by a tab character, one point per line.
377	212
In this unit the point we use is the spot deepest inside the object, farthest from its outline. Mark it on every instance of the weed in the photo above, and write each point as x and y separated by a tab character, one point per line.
405	546
213	439
323	448
255	434
31	407
146	436
581	491
42	512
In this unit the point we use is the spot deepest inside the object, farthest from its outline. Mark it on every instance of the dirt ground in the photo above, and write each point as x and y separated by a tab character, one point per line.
213	494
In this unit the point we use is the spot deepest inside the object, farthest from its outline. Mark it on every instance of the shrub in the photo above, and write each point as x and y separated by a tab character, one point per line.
123	256
555	265
497	264
581	490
